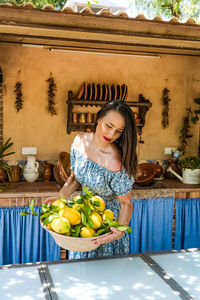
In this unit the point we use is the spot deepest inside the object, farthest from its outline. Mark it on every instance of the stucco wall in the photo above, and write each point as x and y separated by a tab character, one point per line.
34	126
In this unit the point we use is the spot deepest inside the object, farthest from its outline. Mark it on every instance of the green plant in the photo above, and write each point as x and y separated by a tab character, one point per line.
185	131
3	148
190	162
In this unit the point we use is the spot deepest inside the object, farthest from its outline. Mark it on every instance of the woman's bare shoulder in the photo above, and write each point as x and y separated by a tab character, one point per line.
81	139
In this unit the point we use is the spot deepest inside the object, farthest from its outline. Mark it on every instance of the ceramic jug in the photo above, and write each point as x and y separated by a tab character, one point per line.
31	172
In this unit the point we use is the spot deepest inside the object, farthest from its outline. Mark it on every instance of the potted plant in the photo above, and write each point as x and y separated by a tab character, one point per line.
190	170
4	167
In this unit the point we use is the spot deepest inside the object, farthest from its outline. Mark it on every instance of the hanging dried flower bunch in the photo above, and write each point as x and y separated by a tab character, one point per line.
18	92
51	95
165	112
185	131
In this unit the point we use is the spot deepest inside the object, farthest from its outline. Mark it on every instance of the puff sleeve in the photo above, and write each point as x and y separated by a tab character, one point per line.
121	183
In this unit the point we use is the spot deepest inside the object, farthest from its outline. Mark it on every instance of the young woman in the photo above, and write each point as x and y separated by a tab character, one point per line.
105	162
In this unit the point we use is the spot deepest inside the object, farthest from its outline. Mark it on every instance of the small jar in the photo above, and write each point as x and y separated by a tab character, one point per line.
88	129
48	172
82	118
75	117
90	118
15	174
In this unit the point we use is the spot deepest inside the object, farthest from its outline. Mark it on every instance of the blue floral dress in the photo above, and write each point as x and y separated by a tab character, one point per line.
108	185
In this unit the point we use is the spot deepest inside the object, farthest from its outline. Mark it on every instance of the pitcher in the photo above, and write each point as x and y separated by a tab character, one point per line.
31	172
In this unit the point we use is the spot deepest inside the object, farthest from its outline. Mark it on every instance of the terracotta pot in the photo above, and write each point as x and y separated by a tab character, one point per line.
14	174
3	175
48	172
159	170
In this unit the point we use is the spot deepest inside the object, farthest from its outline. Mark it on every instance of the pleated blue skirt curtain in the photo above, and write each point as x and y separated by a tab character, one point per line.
151	225
187	223
22	239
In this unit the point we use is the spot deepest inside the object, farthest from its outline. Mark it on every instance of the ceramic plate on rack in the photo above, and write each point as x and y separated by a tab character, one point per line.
126	96
122	91
125	92
100	92
109	93
95	91
86	92
112	87
104	91
81	92
91	91
118	92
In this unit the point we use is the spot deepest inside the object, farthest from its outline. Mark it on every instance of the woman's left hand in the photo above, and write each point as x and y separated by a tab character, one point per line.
115	234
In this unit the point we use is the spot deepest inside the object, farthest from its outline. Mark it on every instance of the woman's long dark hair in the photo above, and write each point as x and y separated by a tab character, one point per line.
127	141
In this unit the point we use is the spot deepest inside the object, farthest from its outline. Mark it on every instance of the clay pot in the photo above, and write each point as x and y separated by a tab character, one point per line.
159	170
48	172
14	174
3	175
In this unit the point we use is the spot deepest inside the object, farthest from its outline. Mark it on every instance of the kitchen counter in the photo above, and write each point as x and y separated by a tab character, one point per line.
21	193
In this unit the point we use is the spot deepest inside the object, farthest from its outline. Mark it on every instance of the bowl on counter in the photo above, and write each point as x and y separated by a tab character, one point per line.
145	174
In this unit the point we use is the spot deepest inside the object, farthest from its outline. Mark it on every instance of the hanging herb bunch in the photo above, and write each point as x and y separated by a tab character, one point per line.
51	95
19	96
165	111
185	131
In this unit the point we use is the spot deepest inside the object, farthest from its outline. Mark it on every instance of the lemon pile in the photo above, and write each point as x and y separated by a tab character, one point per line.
83	216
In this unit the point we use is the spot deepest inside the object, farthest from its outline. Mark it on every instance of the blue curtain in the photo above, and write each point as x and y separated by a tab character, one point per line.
151	225
187	223
22	239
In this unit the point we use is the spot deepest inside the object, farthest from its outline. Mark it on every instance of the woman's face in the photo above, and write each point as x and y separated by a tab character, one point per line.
110	127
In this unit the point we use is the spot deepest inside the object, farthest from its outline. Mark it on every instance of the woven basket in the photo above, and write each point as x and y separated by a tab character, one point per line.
72	243
62	170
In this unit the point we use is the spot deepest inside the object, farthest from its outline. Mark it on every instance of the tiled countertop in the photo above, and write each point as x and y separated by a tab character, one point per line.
164	188
26	189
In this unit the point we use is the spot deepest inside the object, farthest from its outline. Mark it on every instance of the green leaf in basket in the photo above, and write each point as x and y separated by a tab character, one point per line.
45	208
49	219
24	213
125	228
90	223
101	231
83	218
87	192
76	230
54	208
87	210
43	216
32	205
80	201
63	199
112	223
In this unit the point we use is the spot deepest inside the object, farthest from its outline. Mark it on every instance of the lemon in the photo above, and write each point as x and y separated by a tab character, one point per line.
61	225
96	218
101	206
107	215
86	232
78	206
72	215
59	203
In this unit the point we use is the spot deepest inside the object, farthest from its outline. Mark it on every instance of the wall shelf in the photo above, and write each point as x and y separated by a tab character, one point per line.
142	104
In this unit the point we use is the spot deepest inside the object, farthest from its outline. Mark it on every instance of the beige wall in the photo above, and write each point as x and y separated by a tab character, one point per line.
34	126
